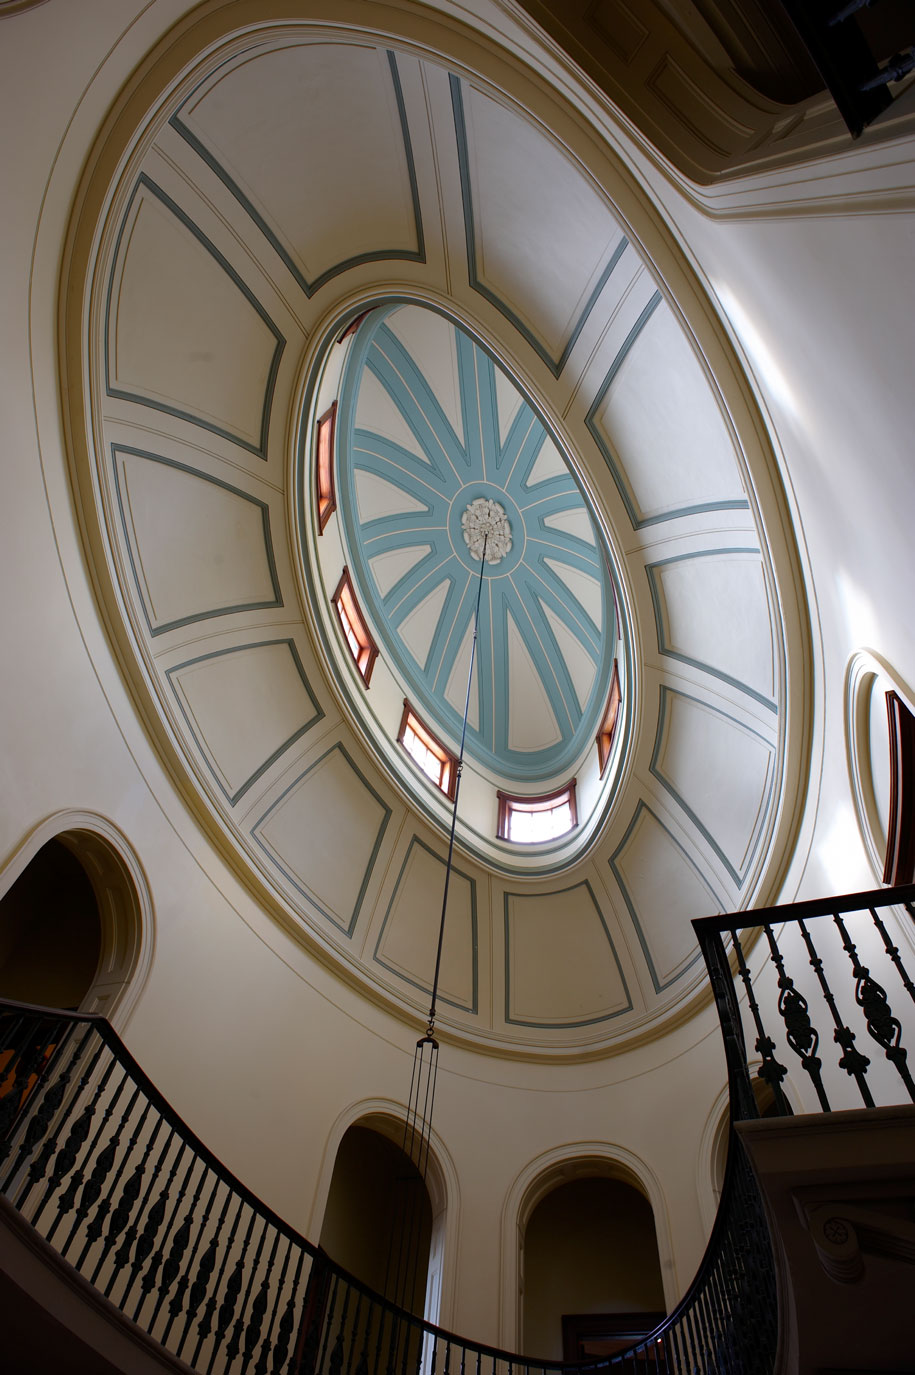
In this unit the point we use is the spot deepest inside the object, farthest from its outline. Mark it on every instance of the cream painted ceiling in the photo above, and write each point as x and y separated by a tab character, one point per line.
288	179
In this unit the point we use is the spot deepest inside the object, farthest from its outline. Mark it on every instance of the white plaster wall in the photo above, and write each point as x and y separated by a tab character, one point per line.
258	1047
812	272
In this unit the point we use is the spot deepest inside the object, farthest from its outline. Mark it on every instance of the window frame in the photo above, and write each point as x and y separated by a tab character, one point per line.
449	775
325	485
511	803
607	732
349	614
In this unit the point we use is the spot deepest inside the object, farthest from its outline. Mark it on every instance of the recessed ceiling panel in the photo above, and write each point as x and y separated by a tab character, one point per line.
312	139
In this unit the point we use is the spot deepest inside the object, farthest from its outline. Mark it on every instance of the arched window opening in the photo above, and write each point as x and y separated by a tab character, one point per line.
528	820
50	931
591	1269
427	751
373	1180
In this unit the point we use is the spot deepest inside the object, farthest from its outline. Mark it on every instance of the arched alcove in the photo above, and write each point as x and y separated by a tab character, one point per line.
378	1220
566	1163
590	1256
75	919
386	1118
50	931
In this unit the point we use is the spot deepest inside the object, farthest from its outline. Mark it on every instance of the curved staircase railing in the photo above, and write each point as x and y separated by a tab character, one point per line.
96	1160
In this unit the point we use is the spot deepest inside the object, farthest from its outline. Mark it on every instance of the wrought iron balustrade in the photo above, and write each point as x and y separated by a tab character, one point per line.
102	1167
833	982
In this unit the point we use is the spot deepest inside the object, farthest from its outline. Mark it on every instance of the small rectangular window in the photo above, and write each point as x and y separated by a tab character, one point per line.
531	820
611	716
436	762
352	622
325	490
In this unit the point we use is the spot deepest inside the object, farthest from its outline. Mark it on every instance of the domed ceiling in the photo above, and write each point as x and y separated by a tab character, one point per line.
429	427
289	178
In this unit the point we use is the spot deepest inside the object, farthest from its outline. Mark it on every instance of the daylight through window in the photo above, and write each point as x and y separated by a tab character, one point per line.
529	820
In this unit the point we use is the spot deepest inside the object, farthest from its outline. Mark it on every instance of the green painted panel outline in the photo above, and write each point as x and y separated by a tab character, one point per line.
637	519
350	927
259	449
318	715
659	987
561	1026
654	767
277	599
664	647
417	255
555	365
414	983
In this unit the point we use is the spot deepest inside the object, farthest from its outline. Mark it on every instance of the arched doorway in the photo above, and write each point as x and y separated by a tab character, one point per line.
590	1267
75	920
374	1184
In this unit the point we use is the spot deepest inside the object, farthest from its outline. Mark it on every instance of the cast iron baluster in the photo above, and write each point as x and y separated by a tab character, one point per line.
316	1317
803	1037
379	1342
263	1360
852	1061
201	1269
354	1332
771	1071
205	1325
133	1238
175	1270
678	1349
694	1345
123	1219
335	1364
871	997
24	1037
250	1329
79	1135
52	1100
286	1328
224	1313
64	1162
113	1154
146	1245
229	1308
893	951
104	1163
115	1192
322	1339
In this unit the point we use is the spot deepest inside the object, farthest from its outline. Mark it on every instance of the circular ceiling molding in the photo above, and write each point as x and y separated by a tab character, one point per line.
204	293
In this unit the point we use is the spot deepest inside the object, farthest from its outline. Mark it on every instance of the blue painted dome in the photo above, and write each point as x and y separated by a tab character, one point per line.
429	428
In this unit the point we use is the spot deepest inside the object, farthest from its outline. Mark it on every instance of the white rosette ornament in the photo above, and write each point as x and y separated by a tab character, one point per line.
485	521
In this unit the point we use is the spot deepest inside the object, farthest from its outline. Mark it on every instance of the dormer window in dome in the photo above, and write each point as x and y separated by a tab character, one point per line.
325	490
608	725
436	762
361	645
530	820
